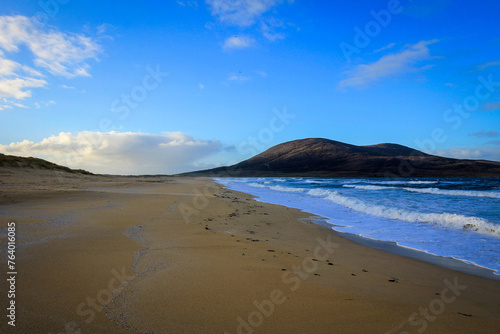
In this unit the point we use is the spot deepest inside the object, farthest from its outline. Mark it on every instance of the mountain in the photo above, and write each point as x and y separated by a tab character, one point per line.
328	158
35	163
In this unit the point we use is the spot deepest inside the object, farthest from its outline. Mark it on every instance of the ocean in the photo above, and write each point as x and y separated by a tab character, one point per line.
451	217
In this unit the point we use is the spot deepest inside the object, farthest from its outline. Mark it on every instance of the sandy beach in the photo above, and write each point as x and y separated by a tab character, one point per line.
101	254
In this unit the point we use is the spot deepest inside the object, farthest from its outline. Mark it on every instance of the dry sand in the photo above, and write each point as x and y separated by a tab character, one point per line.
110	255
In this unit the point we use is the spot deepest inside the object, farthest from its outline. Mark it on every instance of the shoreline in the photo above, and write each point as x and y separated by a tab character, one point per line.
419	255
397	249
416	254
236	265
412	253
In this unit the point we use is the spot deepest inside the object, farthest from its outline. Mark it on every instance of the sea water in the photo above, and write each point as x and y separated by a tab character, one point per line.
451	217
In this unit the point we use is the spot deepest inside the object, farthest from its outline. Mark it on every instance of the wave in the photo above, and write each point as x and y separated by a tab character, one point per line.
449	220
403	182
257	185
287	189
432	191
318	192
279	180
276	187
388	182
469	193
444	219
328	181
314	181
368	187
422	182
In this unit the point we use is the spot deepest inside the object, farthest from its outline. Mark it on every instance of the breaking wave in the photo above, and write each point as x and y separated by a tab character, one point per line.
444	219
288	189
470	193
368	187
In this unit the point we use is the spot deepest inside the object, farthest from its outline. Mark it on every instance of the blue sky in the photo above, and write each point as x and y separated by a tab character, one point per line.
172	86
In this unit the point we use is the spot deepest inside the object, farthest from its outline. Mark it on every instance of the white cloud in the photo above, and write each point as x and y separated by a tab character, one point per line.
8	67
488	64
56	52
481	153
16	87
242	13
387	47
119	152
44	104
246	14
238	42
206	165
273	36
268	29
390	65
104	29
60	53
491	106
201	86
238	78
261	73
485	134
15	79
190	3
7	104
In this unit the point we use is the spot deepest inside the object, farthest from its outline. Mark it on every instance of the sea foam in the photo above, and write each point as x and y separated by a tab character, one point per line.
451	220
465	226
287	189
368	187
470	193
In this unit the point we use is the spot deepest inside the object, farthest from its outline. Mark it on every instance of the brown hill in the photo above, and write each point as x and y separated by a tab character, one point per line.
328	158
35	163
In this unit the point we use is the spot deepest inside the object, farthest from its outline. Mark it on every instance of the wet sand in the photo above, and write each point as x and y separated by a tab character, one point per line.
100	254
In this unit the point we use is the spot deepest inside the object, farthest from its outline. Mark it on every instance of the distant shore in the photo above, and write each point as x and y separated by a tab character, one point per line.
106	254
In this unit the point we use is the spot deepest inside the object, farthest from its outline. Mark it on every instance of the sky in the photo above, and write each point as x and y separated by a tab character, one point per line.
161	87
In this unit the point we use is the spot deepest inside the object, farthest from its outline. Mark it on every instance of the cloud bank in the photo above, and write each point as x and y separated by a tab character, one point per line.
119	152
480	153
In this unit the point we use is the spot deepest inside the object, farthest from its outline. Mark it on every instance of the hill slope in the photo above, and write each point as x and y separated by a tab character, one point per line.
324	157
30	162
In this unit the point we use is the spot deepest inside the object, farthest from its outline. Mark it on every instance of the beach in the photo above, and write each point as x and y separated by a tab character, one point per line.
104	254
